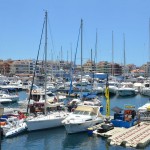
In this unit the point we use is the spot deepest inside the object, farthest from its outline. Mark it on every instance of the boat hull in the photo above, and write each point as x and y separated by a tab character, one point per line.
126	92
44	122
145	91
80	127
16	130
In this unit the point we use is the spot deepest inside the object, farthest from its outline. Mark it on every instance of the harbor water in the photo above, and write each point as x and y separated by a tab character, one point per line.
57	139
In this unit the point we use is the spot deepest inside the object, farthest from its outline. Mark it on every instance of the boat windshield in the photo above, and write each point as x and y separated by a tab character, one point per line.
82	112
50	94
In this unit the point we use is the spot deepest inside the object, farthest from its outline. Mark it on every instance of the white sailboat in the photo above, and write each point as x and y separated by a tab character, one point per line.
47	118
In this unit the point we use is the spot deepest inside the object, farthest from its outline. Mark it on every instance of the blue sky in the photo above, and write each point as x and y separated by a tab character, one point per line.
21	26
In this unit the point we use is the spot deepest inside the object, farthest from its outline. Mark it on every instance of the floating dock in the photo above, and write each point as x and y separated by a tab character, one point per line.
136	136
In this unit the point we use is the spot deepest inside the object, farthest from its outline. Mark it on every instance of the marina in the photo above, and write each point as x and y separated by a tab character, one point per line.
76	141
75	75
76	102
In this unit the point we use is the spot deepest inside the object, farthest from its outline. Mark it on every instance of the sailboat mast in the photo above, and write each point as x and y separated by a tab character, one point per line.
45	67
92	67
149	39
112	54
124	55
148	70
52	65
81	55
95	62
91	61
71	53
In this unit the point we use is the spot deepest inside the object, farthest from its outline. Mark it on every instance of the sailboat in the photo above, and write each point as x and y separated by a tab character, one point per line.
49	117
83	116
126	88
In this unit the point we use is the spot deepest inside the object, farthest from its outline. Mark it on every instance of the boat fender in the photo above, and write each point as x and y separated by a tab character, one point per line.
2	123
34	91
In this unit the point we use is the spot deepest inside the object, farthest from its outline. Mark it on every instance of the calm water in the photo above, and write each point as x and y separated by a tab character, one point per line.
57	139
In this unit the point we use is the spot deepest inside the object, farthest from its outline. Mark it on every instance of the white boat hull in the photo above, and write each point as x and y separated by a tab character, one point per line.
44	122
80	127
145	91
8	98
16	130
126	92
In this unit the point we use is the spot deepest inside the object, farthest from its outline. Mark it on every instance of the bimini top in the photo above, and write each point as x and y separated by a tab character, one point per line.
93	109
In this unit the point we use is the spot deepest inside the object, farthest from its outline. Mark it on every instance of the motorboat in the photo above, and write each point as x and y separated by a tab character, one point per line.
103	128
8	97
144	112
13	125
144	108
20	127
81	118
127	89
145	88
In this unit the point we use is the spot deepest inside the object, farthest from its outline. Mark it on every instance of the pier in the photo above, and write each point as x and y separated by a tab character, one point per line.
136	136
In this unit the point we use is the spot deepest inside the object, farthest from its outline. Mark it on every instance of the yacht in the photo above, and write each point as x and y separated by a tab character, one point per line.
145	89
127	89
82	118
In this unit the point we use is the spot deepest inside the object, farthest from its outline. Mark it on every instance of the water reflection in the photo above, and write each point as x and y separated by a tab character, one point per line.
74	140
46	139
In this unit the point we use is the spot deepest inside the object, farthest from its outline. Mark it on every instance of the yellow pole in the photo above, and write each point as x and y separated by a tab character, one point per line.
107	99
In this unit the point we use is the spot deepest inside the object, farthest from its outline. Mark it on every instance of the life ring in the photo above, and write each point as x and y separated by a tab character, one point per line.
34	91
